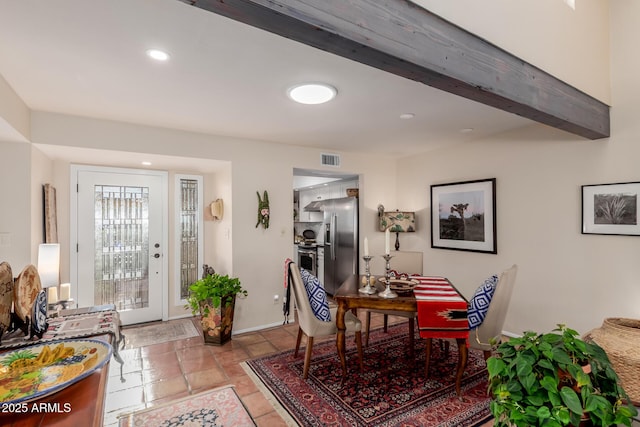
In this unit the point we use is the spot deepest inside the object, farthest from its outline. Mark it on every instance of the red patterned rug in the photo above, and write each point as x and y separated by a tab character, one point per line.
392	391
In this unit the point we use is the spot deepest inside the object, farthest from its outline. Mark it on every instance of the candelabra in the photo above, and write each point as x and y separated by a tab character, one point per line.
387	293
367	289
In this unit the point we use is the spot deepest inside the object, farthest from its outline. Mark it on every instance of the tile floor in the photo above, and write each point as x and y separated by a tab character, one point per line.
162	372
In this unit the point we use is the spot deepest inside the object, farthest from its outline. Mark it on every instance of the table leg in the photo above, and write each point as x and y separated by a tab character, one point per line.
463	354
340	344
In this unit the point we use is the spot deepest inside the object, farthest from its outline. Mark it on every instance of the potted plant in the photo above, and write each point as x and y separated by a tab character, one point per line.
214	297
555	379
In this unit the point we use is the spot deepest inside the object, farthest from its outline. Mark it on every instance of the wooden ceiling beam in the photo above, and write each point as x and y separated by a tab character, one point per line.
404	39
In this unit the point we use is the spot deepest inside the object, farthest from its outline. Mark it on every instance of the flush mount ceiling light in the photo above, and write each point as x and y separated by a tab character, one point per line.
158	55
407	116
312	93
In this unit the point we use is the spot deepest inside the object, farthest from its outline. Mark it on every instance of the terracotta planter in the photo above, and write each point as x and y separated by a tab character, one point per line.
217	325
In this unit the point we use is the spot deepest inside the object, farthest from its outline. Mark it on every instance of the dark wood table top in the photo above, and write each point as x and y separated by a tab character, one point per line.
80	404
348	293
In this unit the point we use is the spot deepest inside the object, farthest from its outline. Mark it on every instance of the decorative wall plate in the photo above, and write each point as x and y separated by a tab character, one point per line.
39	314
42	369
6	295
25	291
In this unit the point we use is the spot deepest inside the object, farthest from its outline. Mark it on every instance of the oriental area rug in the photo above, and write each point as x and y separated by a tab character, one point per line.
392	390
220	407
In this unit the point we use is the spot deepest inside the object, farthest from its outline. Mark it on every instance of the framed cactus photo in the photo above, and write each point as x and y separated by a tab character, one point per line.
611	209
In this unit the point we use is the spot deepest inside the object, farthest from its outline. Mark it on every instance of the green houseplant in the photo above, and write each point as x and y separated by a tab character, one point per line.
213	297
555	379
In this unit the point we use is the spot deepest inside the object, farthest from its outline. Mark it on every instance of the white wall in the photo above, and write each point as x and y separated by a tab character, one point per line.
257	255
14	115
15	188
564	276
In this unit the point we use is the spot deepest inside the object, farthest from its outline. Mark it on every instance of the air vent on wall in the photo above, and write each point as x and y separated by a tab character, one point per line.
330	159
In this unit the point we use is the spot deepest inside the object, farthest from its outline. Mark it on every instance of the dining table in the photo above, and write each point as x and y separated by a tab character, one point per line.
348	297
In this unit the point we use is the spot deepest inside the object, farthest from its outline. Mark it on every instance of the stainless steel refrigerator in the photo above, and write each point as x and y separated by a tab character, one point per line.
340	227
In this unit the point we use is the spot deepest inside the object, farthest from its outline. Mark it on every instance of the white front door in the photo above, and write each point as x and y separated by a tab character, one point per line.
120	217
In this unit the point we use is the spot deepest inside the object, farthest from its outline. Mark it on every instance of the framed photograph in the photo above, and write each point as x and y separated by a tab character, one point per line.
611	209
463	216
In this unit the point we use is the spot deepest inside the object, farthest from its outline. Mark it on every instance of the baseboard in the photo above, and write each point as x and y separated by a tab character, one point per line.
181	316
256	328
511	334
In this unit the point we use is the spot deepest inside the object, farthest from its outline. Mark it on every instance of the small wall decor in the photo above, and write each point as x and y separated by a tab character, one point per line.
217	209
263	210
463	216
611	209
50	216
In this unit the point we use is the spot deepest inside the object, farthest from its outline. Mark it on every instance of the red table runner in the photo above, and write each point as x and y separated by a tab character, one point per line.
442	311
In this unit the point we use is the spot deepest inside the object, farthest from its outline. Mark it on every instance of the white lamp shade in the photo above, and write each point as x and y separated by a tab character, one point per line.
49	264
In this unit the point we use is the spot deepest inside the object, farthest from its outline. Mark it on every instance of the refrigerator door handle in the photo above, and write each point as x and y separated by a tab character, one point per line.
333	236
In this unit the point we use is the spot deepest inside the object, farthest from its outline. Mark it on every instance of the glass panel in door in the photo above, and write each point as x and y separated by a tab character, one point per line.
121	272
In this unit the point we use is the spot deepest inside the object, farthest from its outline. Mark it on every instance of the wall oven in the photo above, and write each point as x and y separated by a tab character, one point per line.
307	259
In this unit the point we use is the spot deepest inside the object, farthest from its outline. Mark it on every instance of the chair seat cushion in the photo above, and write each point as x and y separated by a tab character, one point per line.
479	304
317	296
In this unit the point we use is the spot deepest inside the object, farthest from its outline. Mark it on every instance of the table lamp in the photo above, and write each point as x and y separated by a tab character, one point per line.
49	269
398	222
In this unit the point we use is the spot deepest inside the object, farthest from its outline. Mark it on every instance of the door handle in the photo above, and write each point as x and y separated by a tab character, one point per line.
156	255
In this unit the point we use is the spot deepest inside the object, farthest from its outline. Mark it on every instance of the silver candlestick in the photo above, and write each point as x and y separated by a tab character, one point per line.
367	289
387	293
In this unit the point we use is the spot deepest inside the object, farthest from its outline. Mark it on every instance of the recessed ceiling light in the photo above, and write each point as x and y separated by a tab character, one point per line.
466	130
158	55
146	163
407	116
312	93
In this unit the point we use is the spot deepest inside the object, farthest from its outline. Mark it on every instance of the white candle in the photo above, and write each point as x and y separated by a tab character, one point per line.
65	292
387	236
52	294
366	247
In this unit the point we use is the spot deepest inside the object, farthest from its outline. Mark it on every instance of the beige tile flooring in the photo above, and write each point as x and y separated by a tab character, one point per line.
162	372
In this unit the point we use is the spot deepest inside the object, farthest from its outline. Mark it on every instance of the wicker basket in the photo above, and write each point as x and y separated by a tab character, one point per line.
620	339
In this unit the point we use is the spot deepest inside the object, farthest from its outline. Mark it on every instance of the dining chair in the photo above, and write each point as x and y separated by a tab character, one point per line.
312	327
402	262
488	334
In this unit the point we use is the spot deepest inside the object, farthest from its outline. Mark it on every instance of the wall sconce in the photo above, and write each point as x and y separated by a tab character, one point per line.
49	269
398	222
217	209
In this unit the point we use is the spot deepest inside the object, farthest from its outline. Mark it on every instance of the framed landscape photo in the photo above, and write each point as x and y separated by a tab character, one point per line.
611	209
463	216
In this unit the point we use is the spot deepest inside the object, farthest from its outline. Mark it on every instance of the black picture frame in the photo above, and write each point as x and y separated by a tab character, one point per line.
477	202
611	209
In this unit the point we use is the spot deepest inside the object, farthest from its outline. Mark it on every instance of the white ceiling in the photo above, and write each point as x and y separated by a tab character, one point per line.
87	58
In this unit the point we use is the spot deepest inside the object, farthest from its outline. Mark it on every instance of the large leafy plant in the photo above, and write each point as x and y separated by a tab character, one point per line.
211	290
555	379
